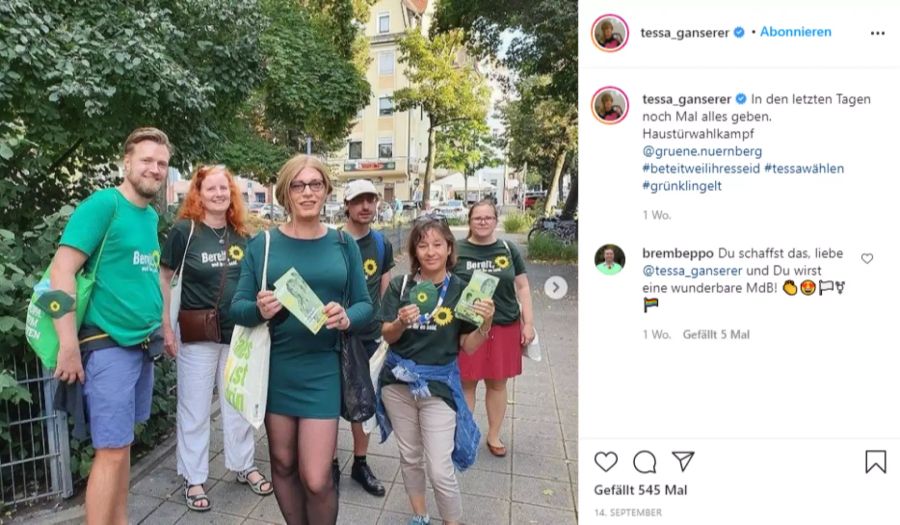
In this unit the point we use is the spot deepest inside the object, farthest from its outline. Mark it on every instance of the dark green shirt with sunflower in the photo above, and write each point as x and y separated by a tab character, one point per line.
494	259
373	270
206	259
433	343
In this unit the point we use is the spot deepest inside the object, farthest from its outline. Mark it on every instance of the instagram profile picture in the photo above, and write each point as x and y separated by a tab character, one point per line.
609	259
609	105
609	33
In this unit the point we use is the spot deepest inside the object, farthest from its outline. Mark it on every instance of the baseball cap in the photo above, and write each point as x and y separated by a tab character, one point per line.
359	187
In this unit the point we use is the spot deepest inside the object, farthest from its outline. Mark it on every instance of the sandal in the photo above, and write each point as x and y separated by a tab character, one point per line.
192	500
499	451
244	477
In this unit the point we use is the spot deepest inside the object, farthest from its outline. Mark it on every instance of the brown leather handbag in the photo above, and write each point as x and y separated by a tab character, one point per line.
202	325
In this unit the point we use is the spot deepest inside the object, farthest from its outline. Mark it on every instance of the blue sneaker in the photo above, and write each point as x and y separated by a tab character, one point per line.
420	520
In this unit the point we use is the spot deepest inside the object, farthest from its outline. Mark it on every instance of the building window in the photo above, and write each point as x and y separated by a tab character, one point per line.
260	196
355	149
384	22
386	148
386	63
385	106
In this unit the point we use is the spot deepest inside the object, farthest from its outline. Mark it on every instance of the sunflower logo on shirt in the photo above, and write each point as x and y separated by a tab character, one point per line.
370	267
443	316
501	261
235	252
55	306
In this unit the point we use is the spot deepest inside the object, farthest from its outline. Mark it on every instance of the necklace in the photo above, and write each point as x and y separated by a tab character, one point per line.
216	233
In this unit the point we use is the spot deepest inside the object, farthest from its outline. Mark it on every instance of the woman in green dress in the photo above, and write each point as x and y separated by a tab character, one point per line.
304	372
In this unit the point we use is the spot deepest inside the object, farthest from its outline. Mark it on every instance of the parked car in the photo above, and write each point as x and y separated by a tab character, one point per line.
267	211
410	205
453	209
532	196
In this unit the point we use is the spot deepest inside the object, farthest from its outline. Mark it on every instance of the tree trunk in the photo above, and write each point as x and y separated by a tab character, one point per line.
429	169
465	198
571	205
554	185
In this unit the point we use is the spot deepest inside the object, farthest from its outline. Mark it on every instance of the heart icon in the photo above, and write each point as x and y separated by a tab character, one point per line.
867	257
606	460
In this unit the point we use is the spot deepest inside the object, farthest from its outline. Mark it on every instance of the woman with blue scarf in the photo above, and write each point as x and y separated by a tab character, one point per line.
420	394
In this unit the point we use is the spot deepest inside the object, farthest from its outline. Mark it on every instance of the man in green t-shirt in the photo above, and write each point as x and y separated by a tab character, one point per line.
114	231
608	266
361	202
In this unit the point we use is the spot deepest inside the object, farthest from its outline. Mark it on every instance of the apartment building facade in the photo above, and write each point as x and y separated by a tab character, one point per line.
388	147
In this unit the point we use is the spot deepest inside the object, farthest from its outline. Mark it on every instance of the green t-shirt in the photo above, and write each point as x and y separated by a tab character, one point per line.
373	270
435	343
494	259
203	267
606	270
126	302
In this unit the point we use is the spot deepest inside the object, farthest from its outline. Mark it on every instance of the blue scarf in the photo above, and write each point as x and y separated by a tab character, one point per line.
416	376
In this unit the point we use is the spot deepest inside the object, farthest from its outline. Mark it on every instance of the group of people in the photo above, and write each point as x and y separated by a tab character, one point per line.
426	389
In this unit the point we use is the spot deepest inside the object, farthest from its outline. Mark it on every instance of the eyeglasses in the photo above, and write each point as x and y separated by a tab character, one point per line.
299	186
484	220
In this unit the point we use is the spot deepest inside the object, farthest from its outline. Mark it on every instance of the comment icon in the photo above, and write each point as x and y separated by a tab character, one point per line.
645	462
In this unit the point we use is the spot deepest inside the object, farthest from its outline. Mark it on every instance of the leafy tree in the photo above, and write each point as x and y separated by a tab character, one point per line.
545	41
467	147
313	85
444	84
77	77
541	132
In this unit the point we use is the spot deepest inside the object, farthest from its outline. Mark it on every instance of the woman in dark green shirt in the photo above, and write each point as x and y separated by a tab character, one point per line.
206	247
304	372
429	414
501	356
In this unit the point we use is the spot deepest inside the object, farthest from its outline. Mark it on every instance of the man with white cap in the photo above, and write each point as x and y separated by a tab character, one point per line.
361	206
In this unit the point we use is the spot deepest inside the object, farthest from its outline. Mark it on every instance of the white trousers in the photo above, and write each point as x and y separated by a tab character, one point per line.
200	365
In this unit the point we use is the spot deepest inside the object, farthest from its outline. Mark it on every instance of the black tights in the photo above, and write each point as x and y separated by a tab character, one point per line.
301	452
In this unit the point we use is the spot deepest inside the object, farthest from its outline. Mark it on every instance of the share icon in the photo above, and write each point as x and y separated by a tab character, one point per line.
684	458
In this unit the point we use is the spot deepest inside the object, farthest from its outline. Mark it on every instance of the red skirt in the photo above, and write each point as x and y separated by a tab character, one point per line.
500	357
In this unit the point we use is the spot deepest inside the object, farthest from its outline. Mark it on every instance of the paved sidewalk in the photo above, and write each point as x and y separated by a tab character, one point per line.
535	484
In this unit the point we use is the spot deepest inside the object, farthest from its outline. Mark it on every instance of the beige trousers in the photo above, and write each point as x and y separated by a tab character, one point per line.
424	429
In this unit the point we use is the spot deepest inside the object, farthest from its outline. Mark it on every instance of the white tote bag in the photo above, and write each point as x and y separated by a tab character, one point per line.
533	351
175	286
376	362
247	365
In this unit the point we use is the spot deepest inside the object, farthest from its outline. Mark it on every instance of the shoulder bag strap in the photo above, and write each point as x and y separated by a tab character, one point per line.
105	235
265	262
379	248
224	266
186	246
403	286
345	301
508	251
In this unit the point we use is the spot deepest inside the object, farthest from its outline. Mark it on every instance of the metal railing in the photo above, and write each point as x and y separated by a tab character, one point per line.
34	459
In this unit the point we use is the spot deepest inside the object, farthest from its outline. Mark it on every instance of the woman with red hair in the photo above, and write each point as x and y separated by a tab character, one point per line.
205	246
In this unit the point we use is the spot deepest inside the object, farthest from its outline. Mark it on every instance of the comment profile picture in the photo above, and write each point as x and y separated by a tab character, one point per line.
609	259
609	105
609	33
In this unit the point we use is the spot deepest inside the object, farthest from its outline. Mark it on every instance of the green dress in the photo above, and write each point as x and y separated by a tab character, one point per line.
304	368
